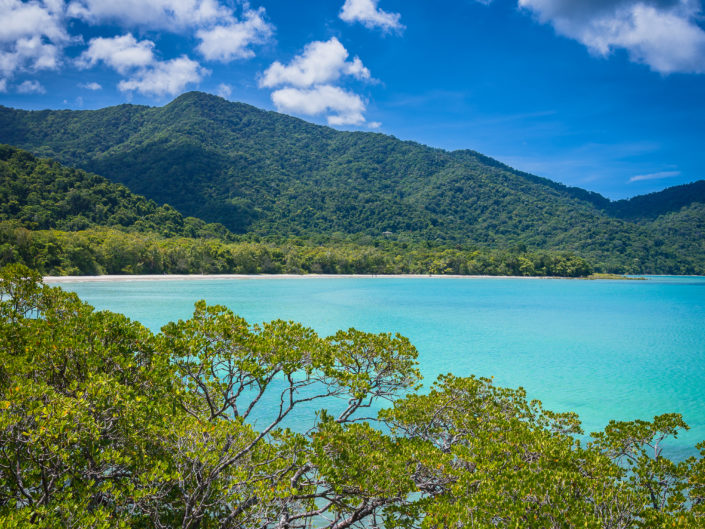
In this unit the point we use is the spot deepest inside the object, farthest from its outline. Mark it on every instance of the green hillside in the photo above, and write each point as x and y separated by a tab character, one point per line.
685	228
650	207
42	194
63	221
273	176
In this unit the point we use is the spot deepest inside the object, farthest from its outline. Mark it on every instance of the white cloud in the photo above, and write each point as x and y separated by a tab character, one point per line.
121	53
654	176
155	14
162	78
663	34
32	35
31	87
346	107
374	124
29	54
3	86
29	19
369	15
224	90
90	86
233	40
136	60
306	83
320	63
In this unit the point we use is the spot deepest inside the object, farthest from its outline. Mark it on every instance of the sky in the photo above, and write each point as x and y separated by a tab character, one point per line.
607	95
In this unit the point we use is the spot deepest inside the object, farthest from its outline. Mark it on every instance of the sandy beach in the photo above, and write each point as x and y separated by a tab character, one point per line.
187	277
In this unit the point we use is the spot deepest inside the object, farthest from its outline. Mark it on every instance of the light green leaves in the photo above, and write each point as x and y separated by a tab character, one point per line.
105	425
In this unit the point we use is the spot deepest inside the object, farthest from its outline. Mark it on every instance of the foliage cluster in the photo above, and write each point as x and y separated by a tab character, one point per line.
106	251
42	194
104	424
650	207
272	175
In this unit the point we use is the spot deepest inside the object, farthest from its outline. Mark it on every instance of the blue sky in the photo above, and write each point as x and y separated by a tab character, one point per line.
608	95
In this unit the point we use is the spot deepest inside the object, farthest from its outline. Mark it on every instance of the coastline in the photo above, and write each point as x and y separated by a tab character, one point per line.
211	277
206	277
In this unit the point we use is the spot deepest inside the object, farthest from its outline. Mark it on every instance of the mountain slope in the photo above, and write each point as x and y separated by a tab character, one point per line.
64	221
42	194
276	176
649	207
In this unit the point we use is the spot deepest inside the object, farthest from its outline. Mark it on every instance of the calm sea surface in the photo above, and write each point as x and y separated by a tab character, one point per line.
606	349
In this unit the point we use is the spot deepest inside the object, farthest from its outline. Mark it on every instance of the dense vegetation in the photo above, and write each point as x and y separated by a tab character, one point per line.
275	177
104	424
106	251
42	194
650	207
129	234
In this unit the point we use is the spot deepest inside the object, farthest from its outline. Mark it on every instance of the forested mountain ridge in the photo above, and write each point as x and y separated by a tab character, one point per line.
64	221
276	176
650	207
42	194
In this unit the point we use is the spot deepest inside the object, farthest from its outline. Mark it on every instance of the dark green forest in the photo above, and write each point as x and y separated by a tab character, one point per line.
42	194
270	177
64	221
106	425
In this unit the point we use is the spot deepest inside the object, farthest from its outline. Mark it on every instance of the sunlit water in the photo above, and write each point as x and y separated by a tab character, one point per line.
606	349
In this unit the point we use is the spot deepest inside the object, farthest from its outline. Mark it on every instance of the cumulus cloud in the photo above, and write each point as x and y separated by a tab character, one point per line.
32	35
3	86
223	37
346	107
225	41
663	34
233	40
654	176
136	60
29	54
155	14
369	15
31	87
120	53
306	83
164	78
33	18
224	90
90	86
320	63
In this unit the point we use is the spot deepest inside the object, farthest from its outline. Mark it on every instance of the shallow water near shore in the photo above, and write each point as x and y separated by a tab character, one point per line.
610	349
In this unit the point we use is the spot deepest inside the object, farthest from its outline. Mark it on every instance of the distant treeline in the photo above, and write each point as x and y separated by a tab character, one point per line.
110	251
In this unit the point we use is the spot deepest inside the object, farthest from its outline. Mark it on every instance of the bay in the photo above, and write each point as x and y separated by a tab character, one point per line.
609	349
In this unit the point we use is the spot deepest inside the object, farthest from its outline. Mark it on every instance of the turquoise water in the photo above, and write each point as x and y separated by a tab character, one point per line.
606	349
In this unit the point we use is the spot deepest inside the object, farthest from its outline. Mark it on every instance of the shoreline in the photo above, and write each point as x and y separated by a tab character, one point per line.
210	277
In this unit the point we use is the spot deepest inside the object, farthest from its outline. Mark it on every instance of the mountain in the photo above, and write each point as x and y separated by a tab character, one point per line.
64	221
41	194
650	207
275	176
